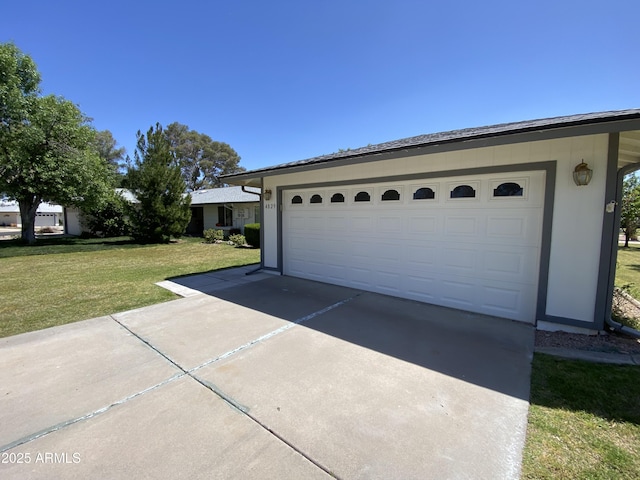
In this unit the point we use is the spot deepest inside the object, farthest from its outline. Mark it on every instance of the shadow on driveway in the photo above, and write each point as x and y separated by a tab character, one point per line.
491	352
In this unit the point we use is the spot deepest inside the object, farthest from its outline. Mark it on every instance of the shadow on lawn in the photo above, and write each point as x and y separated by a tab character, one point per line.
609	391
63	244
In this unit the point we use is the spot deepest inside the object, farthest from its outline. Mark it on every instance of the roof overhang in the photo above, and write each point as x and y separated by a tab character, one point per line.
625	122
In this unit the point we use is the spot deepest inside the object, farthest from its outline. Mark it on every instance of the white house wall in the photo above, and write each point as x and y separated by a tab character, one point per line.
210	212
577	213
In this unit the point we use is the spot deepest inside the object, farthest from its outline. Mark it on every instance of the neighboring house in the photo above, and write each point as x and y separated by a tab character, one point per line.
488	219
47	215
223	209
73	215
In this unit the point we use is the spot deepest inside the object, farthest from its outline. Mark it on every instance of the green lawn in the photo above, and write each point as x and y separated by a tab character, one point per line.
628	278
65	280
584	421
628	269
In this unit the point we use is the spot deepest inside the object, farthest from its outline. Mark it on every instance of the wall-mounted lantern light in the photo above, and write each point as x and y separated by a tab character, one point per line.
267	195
582	174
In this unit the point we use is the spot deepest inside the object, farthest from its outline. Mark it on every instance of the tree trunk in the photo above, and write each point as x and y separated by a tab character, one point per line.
28	208
627	236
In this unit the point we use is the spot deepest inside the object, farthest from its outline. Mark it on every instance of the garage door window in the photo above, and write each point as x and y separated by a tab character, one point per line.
424	193
390	195
463	191
362	197
296	200
508	189
337	198
316	199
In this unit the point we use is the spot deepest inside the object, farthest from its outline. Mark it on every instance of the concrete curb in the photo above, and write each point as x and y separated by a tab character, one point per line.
591	356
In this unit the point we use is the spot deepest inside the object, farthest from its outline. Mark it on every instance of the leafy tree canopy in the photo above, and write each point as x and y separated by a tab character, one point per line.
155	180
105	145
46	144
202	160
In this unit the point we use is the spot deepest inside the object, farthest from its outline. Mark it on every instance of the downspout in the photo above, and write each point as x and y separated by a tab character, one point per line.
243	188
617	326
249	191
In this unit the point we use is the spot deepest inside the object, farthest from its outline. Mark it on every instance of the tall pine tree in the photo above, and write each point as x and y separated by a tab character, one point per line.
155	180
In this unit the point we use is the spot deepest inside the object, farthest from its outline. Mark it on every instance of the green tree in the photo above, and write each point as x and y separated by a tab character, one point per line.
46	144
202	160
105	145
630	208
155	180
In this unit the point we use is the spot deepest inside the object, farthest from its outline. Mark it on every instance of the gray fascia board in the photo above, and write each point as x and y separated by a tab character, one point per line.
446	145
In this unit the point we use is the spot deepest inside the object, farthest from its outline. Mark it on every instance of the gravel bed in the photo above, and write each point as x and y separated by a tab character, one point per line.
604	342
610	342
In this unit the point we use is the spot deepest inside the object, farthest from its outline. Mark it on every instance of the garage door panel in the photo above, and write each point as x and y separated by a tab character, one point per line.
504	301
421	225
386	252
421	256
316	223
523	227
460	261
500	300
388	223
421	288
337	224
457	226
298	223
479	254
336	272
362	223
360	277
459	293
387	282
508	266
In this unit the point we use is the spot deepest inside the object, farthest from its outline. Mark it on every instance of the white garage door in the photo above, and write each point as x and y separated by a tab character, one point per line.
471	243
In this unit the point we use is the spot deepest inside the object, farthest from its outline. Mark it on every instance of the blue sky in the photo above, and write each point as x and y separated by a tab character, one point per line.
287	80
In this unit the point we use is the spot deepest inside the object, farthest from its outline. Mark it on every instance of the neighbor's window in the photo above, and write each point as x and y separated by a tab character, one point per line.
296	200
337	198
362	197
225	217
424	193
463	191
316	199
390	195
508	189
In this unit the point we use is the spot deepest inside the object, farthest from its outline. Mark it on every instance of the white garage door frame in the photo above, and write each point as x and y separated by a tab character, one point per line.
515	171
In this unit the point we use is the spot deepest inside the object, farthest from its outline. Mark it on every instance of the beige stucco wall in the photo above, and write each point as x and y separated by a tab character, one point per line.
577	215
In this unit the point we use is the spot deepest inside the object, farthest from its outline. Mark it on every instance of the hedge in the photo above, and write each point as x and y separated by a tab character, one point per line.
252	234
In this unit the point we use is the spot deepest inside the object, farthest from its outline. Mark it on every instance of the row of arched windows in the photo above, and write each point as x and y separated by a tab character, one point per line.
507	189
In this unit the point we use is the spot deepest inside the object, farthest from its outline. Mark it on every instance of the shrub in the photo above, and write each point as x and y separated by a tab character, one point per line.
107	219
213	236
237	239
252	234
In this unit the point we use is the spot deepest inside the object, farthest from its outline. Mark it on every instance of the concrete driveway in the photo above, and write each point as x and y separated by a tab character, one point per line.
277	378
